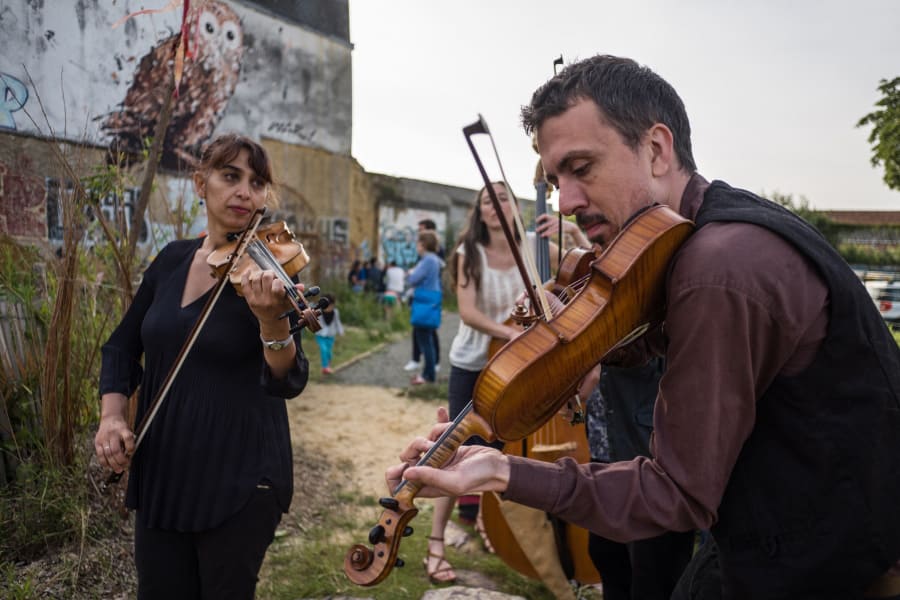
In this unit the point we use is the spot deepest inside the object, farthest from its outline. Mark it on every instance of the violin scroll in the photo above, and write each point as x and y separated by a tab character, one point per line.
368	566
309	316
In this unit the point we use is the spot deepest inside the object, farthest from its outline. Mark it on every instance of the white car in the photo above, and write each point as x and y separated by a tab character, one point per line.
889	302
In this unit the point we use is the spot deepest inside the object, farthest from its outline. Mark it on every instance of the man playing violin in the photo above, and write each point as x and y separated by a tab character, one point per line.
777	423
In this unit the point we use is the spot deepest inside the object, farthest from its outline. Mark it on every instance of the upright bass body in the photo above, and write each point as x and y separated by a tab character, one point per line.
557	438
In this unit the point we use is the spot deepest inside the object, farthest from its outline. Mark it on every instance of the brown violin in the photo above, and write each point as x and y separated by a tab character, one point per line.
527	381
272	247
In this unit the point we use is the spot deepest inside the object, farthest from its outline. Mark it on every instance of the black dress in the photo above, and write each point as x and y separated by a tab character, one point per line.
223	427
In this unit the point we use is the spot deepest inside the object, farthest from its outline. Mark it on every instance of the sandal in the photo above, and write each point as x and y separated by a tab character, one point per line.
479	527
433	576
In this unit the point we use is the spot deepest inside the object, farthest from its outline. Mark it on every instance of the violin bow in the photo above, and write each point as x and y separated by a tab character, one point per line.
526	265
246	237
556	63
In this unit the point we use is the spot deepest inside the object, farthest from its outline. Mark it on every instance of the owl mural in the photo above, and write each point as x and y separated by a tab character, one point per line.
210	76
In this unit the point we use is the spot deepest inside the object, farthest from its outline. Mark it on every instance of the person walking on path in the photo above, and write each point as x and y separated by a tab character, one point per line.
415	363
425	314
331	327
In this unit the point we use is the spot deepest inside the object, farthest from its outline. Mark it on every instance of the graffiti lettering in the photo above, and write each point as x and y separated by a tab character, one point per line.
335	229
399	245
13	96
115	210
291	128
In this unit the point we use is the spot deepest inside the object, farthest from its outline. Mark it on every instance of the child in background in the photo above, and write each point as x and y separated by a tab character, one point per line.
331	326
394	282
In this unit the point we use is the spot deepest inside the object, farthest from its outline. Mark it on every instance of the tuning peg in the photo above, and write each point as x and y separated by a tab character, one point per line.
407	531
376	535
399	562
389	503
313	291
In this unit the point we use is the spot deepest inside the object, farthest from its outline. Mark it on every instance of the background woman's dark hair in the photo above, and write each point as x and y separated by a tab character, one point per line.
631	98
474	233
224	148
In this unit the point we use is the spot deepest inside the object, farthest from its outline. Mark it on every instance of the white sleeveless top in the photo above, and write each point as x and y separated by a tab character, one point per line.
496	298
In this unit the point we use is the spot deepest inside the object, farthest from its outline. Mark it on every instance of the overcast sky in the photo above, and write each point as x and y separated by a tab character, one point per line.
773	88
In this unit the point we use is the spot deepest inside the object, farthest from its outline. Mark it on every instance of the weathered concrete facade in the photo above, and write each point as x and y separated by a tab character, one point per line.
401	203
277	71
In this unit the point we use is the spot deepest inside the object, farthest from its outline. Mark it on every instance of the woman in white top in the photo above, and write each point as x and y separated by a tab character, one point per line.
487	284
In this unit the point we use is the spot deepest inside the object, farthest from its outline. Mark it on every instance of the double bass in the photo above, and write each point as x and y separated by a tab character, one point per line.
533	375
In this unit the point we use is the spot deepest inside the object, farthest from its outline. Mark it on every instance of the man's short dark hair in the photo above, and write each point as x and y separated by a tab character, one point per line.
428	224
631	99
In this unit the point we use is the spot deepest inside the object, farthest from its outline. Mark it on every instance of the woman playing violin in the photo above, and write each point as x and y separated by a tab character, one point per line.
487	285
213	473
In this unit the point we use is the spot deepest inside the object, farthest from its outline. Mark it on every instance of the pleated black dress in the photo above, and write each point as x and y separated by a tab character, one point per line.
223	427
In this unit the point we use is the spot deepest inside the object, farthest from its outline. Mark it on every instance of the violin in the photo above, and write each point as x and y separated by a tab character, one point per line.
277	241
526	382
272	247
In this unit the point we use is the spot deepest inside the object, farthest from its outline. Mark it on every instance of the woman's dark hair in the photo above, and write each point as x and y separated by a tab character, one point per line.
226	147
631	98
475	232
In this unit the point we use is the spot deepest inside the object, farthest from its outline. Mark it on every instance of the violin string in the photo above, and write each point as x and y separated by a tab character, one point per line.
263	257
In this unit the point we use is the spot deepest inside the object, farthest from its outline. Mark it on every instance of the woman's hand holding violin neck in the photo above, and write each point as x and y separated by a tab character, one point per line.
114	443
266	296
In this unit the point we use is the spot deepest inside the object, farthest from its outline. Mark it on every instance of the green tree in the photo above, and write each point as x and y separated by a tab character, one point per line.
885	135
802	208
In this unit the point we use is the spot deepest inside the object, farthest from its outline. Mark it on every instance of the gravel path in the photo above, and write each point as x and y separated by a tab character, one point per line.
384	366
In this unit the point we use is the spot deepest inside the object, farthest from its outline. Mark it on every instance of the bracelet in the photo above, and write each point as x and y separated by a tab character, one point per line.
277	344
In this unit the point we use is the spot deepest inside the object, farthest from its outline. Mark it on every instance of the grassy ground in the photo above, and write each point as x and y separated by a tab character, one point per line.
327	517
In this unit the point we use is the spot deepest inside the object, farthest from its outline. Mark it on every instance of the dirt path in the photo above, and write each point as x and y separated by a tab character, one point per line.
363	414
365	425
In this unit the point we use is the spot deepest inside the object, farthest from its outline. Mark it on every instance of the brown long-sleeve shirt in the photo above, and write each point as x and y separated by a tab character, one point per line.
743	307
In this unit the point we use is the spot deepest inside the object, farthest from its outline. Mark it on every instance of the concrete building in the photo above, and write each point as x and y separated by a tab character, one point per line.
78	78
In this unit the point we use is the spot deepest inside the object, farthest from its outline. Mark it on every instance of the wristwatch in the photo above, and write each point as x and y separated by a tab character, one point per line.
277	344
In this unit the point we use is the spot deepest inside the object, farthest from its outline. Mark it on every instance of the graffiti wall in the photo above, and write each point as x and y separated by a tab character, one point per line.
101	76
34	191
23	211
397	230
